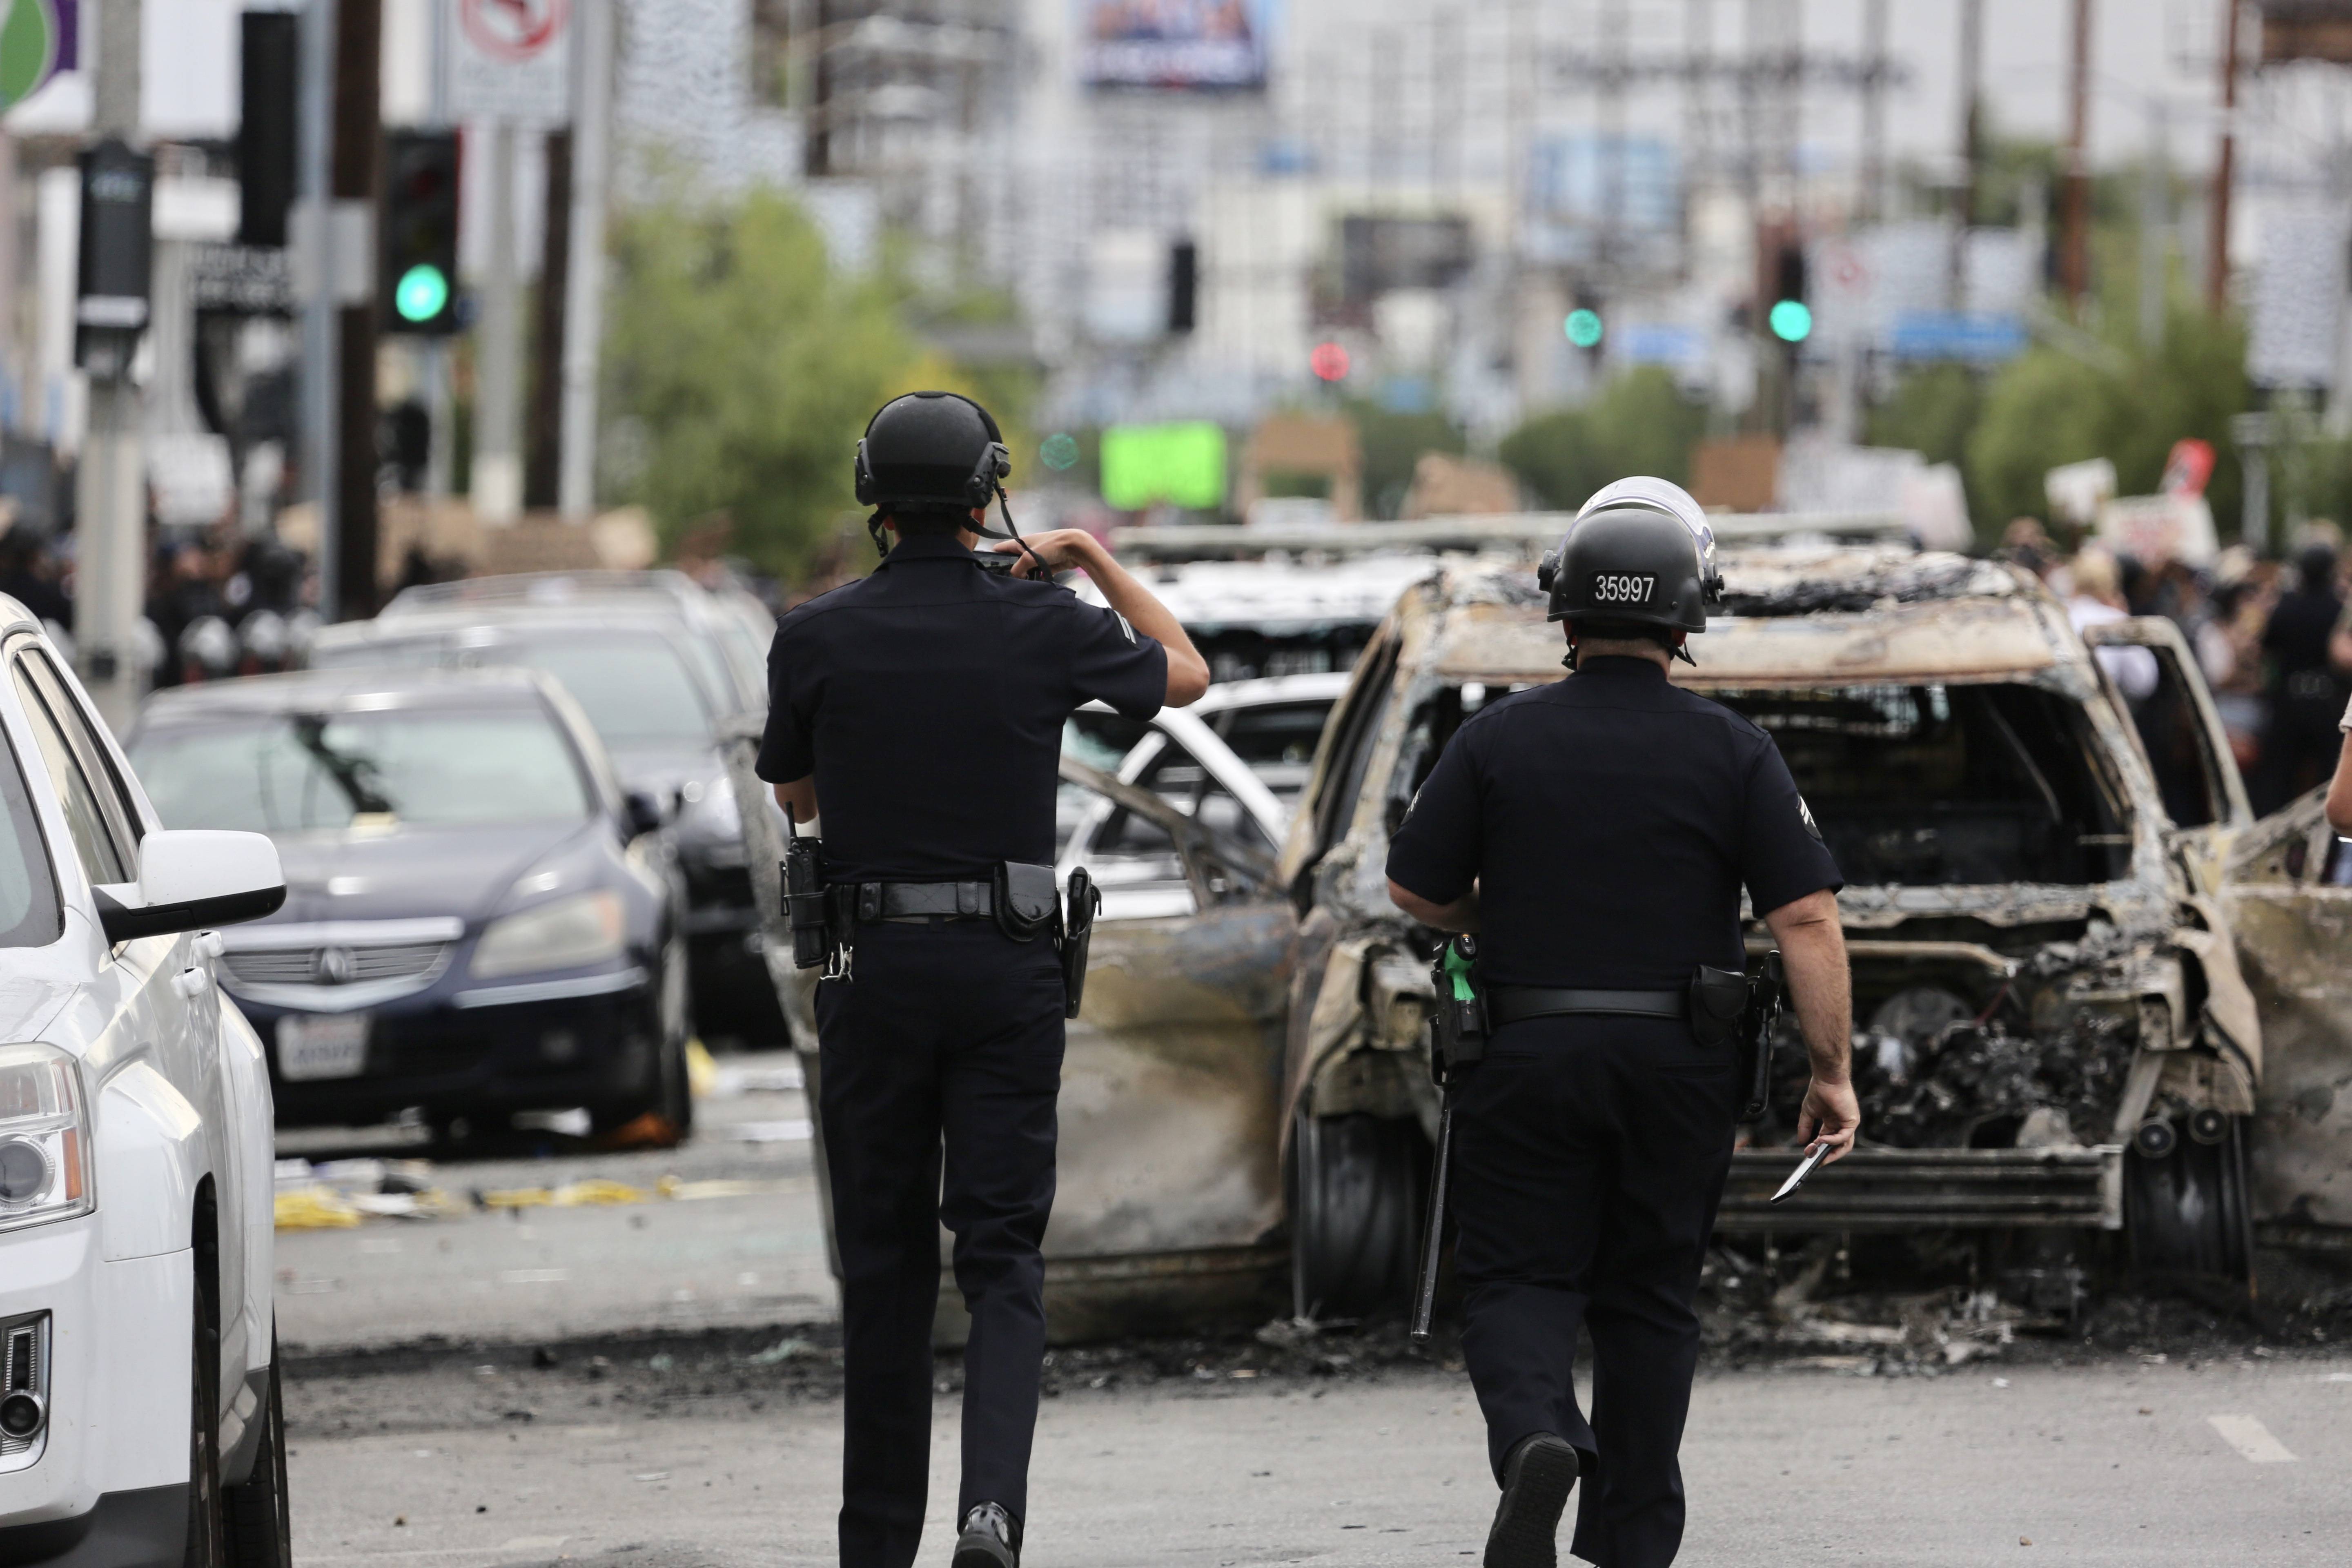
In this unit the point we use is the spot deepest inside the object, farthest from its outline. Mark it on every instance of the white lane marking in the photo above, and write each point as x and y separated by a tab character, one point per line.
535	1544
2251	1439
534	1276
2338	1377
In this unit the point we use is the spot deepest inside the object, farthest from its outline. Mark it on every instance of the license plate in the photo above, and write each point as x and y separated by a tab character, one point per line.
321	1045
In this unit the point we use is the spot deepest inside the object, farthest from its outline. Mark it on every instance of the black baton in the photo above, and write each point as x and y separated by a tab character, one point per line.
1424	1289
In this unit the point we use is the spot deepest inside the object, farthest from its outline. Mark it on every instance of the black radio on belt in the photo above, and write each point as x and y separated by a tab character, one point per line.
804	898
1457	1021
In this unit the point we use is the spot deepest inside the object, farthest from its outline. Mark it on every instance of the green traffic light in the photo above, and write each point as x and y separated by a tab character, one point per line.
1583	328
422	293
1791	322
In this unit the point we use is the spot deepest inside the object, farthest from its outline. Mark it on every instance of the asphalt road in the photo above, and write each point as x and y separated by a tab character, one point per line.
653	1383
2119	1463
744	1245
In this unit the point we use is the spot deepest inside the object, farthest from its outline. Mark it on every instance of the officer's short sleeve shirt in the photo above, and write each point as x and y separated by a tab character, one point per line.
1610	822
928	700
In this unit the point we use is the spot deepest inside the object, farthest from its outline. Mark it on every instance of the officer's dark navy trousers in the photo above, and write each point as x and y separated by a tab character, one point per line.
948	1036
1590	1154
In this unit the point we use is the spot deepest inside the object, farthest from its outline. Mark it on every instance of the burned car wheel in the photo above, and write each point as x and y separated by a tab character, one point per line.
1355	1199
2185	1199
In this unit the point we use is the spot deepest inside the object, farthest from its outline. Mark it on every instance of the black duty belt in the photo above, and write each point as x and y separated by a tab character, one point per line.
919	903
1514	1004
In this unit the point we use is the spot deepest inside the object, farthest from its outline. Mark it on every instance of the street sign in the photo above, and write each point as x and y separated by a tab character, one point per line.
2299	286
510	60
37	39
1956	335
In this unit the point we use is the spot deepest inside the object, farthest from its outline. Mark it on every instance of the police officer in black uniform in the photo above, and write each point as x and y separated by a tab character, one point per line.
919	712
1596	832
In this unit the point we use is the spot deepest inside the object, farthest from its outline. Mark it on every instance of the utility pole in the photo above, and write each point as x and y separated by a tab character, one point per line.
2074	237
109	485
2217	239
433	353
2155	203
358	182
1964	192
544	436
498	349
315	279
1873	112
816	154
583	310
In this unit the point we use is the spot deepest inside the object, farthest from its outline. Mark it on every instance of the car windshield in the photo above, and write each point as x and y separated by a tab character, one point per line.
1916	786
634	686
311	773
1277	741
30	914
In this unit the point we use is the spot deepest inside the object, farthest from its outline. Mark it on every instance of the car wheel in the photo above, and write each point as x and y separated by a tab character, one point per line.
1355	1202
2185	1206
208	1545
260	1529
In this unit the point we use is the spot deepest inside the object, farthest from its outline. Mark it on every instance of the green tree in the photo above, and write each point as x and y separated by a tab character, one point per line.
1639	424
749	366
1392	444
1932	411
2048	407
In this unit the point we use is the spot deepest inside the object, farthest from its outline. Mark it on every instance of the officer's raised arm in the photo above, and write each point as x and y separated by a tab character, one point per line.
1063	548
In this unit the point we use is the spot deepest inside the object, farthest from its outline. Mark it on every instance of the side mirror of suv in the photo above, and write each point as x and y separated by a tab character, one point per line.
645	814
192	878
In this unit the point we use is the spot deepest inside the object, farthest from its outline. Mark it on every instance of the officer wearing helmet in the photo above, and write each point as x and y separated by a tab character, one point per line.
917	714
1597	833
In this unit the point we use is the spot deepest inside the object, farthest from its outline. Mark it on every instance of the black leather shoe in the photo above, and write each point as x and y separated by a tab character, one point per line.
1537	1479
992	1538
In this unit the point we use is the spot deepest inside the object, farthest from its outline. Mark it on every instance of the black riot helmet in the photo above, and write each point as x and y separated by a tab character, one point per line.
931	449
1640	551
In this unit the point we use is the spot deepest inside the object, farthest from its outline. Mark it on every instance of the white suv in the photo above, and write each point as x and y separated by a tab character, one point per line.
139	1410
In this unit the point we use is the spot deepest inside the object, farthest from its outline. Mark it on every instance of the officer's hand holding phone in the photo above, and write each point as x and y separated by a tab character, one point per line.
1061	549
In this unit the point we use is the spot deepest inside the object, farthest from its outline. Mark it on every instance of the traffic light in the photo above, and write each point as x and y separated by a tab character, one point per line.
266	131
418	280
1585	327
1790	319
1183	287
118	229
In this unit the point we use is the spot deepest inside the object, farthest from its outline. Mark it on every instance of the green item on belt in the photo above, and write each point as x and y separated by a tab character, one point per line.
1457	969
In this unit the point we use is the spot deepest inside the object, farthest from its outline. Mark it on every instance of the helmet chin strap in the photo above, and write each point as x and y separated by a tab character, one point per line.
1005	509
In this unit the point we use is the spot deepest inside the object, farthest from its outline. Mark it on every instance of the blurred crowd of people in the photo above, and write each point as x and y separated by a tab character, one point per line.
2272	638
218	603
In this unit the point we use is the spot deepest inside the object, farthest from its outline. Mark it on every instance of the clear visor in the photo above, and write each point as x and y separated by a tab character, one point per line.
1659	495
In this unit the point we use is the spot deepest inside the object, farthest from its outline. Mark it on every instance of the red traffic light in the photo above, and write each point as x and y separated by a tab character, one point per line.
1328	362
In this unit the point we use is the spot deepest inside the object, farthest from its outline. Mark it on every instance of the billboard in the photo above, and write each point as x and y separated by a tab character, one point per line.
1213	45
1183	464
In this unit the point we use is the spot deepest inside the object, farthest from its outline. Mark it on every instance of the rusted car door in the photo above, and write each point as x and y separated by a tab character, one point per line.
1169	1183
2180	735
2288	898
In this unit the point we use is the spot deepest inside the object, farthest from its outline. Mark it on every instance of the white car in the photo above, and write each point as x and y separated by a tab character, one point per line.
139	1410
1234	762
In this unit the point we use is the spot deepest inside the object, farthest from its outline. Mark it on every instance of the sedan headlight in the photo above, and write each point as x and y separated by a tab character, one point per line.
45	1153
565	933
